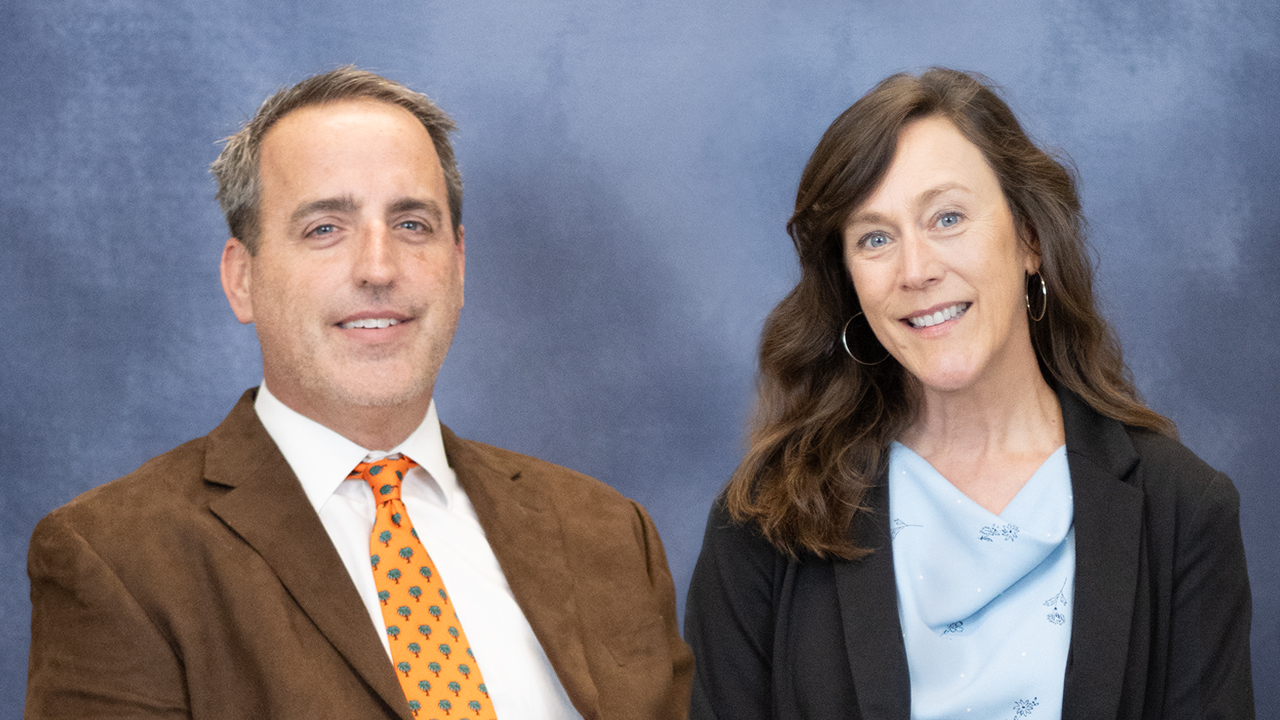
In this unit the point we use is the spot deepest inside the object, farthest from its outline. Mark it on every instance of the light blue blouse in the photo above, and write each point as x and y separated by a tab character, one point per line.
984	599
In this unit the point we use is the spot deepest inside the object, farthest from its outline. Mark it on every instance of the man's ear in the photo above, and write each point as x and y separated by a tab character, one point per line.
236	263
461	244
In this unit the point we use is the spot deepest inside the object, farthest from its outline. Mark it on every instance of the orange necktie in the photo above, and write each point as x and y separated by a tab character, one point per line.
433	659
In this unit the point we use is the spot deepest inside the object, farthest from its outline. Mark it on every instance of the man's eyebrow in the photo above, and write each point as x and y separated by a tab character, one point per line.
430	207
344	204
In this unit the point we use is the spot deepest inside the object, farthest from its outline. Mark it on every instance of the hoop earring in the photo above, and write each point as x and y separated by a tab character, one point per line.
844	340
1044	305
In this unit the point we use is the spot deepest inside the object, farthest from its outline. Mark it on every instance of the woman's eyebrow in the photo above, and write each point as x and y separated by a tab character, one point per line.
870	217
932	193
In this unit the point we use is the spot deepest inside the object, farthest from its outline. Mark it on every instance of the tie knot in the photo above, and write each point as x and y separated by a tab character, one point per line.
384	476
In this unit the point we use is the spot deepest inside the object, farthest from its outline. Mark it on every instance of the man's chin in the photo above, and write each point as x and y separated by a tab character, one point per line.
378	394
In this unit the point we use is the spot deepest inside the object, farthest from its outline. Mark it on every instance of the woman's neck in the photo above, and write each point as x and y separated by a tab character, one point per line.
1014	412
988	440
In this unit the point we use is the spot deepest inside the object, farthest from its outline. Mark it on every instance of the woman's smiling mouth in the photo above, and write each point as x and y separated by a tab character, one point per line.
950	312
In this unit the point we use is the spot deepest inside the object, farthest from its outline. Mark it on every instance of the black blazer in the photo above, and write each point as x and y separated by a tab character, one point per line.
1161	610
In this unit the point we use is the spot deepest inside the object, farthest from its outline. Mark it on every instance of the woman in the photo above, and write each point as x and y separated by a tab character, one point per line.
954	503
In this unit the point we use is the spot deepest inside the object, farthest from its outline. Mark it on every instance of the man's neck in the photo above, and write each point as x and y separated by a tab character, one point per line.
376	428
373	427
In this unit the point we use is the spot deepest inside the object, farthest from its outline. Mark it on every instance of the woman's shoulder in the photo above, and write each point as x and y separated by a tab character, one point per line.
1168	457
1165	470
726	535
1167	454
1174	477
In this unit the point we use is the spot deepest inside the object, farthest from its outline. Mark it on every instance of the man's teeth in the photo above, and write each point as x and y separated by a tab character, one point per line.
941	316
370	323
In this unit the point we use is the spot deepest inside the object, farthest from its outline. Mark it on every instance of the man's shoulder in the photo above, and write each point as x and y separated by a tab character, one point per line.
517	466
173	481
158	481
135	526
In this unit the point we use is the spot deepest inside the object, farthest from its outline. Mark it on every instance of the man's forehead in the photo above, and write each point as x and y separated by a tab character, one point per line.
328	108
330	125
340	152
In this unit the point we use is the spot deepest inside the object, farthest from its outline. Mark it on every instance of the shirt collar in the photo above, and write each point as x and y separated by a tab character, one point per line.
322	459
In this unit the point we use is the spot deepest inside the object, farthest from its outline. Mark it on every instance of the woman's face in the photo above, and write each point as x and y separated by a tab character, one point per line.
937	262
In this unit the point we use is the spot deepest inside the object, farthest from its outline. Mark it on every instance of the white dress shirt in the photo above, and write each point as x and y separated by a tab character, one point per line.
522	684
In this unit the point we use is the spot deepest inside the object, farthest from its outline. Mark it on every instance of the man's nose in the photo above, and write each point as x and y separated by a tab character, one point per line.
376	261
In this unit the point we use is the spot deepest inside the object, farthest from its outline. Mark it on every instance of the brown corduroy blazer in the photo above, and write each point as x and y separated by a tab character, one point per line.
203	585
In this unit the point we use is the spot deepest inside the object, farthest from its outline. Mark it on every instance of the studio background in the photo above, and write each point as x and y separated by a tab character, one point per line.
629	169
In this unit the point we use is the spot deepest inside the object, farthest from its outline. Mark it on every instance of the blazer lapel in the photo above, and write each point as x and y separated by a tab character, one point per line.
523	528
1108	525
1108	528
267	507
869	614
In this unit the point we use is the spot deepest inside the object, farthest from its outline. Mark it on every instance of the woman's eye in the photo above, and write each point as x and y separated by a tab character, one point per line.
875	241
949	220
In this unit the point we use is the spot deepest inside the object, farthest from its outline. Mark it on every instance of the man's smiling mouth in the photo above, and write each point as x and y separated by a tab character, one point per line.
370	323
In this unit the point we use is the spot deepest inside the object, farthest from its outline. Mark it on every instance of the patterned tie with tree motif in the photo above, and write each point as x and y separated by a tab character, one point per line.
431	654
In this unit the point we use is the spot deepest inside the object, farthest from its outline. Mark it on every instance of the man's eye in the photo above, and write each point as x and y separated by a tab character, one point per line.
950	219
324	229
414	226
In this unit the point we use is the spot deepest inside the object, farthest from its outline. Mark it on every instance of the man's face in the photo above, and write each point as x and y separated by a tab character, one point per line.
357	284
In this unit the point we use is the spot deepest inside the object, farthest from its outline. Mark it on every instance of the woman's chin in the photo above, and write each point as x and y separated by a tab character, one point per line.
945	377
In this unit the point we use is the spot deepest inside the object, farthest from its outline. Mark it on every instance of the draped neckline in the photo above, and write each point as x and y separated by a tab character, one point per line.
984	599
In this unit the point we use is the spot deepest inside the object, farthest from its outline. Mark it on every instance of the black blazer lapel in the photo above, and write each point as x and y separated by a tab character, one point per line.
1108	528
267	507
523	529
869	614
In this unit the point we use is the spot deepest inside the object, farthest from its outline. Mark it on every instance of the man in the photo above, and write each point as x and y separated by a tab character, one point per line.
294	562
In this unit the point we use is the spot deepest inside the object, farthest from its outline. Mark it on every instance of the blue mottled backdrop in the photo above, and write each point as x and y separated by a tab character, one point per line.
629	169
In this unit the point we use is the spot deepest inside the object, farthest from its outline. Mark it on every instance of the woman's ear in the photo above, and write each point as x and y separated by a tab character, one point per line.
1031	244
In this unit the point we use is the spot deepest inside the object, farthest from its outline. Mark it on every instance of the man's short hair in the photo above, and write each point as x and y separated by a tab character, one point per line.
237	168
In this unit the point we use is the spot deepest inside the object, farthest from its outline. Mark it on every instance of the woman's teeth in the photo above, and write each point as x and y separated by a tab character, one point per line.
941	316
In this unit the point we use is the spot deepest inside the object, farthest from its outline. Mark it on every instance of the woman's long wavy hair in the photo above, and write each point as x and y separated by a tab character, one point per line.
823	422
